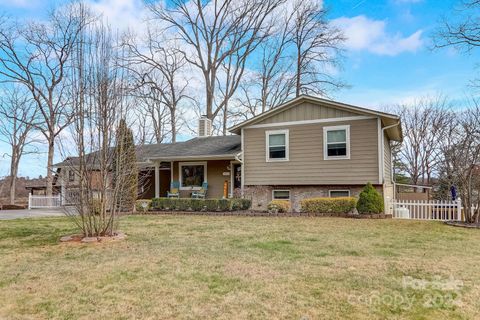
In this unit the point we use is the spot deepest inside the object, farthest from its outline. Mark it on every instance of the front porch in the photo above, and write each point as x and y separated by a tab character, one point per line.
223	177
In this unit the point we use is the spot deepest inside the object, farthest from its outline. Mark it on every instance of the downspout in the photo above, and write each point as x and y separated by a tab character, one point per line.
383	162
242	183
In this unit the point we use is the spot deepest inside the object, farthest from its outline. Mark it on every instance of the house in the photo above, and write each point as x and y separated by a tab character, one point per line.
306	147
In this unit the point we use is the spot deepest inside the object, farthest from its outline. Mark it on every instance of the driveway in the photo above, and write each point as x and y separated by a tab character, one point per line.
34	213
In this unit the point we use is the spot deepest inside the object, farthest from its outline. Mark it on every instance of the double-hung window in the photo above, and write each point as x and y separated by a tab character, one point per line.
336	142
277	145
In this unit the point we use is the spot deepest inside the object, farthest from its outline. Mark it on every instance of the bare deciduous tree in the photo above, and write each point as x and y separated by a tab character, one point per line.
317	48
272	83
217	34
425	123
17	116
460	165
37	55
464	32
159	67
461	30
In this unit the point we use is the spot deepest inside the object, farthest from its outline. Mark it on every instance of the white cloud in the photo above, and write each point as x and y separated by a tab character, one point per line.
122	15
371	35
24	4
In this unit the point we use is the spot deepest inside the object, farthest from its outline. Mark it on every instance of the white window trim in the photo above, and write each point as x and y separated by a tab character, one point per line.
289	194
330	192
325	150
267	145
181	164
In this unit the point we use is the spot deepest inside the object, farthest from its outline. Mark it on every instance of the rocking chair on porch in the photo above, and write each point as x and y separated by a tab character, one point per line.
174	190
200	194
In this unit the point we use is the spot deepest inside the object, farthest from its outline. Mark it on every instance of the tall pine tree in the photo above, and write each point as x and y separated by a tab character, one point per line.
125	167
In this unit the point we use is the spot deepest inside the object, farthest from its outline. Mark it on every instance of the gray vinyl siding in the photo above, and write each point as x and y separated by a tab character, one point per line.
306	165
307	111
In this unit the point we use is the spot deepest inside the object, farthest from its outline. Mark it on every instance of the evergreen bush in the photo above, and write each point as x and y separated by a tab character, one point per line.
370	200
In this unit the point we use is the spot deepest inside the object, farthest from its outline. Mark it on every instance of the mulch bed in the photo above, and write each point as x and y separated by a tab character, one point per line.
271	214
79	238
463	224
12	207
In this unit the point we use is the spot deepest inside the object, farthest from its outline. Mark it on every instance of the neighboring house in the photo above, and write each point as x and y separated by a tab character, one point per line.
307	147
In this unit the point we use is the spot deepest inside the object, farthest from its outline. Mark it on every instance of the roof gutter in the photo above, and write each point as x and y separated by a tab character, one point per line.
212	157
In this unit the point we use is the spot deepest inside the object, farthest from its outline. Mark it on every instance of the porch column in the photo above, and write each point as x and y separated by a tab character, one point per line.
157	179
63	192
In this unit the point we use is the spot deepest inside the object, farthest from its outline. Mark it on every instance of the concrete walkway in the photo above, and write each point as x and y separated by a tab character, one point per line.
33	213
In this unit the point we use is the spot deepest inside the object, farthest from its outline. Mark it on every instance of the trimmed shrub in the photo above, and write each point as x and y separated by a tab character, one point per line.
240	204
187	204
280	206
328	205
143	205
12	207
370	200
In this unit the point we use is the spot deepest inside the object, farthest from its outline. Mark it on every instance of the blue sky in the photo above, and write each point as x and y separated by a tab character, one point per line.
388	57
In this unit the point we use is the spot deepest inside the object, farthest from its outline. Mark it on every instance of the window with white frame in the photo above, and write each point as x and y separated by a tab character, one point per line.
277	145
192	175
336	142
338	193
281	195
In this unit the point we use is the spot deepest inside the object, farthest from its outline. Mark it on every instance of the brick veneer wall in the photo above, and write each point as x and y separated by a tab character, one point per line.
262	195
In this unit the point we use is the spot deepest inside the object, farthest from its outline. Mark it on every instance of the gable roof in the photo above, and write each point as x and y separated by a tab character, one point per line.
388	119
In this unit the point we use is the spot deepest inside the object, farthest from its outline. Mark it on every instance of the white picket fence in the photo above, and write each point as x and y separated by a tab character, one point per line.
44	201
427	209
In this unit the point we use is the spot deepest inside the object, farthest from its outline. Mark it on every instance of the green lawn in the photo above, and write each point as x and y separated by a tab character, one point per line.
240	267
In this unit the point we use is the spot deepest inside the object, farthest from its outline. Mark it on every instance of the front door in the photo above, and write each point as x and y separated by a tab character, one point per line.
237	176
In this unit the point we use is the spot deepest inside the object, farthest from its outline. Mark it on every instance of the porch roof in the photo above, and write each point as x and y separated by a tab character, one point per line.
218	147
225	147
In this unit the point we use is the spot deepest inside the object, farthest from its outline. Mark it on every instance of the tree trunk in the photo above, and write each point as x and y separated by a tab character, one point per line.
13	177
49	190
173	125
225	110
299	62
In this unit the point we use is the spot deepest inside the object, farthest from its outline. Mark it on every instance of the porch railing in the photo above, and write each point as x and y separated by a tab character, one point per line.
44	201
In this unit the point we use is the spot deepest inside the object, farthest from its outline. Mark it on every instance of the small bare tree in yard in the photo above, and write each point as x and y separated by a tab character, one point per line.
102	184
17	117
36	55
